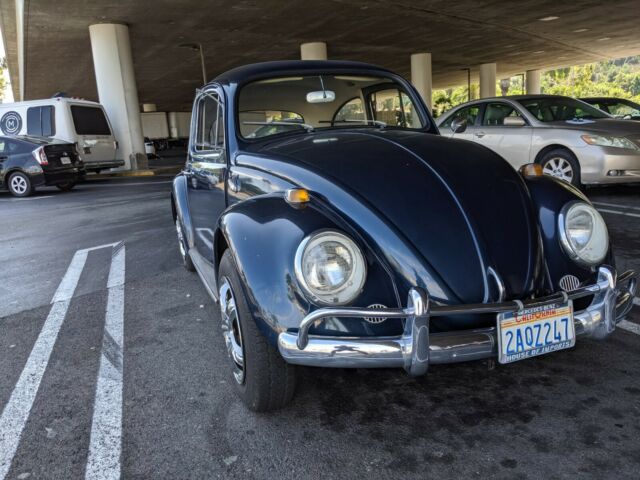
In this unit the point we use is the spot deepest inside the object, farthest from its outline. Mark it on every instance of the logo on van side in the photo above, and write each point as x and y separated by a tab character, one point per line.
11	123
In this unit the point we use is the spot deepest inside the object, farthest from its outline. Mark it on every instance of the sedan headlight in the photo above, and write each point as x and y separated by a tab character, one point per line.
583	233
606	141
330	268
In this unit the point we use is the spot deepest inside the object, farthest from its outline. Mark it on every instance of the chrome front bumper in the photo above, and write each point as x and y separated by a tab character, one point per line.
416	348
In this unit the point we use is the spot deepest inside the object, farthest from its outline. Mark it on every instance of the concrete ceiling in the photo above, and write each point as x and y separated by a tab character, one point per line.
459	34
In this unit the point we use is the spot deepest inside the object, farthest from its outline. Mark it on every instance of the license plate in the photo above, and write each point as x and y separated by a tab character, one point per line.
535	331
65	160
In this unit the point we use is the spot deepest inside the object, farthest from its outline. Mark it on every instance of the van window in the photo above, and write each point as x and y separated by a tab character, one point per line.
41	121
89	120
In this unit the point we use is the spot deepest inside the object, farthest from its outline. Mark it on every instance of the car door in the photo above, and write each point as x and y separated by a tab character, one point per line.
471	114
511	142
206	171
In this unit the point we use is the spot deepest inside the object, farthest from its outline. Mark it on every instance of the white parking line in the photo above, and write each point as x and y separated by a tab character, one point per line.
630	326
619	213
106	429
616	205
17	410
12	200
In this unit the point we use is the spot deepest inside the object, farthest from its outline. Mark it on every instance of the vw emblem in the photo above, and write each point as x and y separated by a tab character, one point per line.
11	123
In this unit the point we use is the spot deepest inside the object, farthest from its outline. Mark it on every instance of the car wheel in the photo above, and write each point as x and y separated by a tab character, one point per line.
561	164
262	379
184	248
20	185
65	187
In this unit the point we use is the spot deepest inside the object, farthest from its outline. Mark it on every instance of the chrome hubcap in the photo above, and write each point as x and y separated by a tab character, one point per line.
231	329
18	184
560	168
183	250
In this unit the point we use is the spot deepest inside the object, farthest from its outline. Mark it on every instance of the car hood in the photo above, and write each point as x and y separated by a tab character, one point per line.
463	209
609	126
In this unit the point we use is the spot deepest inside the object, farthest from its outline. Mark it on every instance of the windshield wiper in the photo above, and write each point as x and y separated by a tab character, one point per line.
306	126
378	123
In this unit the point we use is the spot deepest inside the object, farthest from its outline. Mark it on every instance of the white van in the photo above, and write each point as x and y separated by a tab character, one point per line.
81	122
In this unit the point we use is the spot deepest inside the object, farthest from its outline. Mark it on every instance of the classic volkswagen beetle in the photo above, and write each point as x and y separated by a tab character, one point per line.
337	228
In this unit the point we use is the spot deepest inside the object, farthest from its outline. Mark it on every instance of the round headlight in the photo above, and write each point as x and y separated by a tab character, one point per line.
583	232
330	268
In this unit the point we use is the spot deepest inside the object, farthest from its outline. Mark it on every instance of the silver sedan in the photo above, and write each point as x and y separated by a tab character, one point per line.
570	139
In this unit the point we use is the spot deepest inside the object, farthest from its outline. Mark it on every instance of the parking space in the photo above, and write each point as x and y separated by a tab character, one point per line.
112	362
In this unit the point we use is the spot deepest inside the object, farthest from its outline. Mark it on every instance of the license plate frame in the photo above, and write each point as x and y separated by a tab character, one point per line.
65	160
554	320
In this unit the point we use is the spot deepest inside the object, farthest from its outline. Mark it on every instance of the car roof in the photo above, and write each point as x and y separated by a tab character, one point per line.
34	140
241	74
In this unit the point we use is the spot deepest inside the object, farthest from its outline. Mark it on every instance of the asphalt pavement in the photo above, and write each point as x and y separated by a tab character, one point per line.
112	362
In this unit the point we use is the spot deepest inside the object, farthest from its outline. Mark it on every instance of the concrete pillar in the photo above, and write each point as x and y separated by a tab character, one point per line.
117	90
313	51
421	75
149	107
487	80
533	82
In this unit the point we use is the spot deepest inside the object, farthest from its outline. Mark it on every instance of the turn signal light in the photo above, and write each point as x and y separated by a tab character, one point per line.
297	196
531	170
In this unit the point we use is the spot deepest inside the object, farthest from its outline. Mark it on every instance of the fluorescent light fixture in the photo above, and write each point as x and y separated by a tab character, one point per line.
538	52
548	19
580	30
604	39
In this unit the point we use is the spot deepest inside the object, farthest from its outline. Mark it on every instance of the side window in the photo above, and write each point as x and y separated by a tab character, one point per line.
394	108
495	113
209	137
352	110
620	110
3	145
470	114
41	121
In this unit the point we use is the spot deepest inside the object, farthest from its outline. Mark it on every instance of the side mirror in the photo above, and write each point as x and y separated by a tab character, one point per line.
513	122
458	125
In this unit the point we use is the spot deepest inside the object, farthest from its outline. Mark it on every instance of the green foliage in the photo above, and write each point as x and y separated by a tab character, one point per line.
612	78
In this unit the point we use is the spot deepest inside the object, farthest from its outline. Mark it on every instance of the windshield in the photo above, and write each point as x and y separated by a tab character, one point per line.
314	102
554	109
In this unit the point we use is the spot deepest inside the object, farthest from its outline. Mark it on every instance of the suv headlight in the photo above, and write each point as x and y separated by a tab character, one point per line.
607	141
330	268
583	233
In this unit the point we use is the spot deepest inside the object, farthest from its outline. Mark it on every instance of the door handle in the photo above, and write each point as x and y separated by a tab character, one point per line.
479	134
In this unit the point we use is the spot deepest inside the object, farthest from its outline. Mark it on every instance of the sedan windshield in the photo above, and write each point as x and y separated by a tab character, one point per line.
555	109
306	103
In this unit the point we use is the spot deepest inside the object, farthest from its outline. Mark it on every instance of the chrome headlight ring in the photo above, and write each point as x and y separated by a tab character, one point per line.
587	222
330	267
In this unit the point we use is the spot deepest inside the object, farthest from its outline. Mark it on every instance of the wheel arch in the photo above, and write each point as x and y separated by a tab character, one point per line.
554	146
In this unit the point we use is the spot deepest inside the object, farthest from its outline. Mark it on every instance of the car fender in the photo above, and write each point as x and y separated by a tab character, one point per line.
549	196
180	207
263	234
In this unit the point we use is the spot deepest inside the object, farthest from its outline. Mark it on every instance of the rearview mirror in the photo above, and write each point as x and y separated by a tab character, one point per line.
321	96
513	122
458	125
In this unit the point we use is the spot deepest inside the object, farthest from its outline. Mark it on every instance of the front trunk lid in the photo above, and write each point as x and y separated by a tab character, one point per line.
463	208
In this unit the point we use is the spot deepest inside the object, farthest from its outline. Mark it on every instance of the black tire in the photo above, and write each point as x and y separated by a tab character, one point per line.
19	184
184	248
558	162
66	187
268	382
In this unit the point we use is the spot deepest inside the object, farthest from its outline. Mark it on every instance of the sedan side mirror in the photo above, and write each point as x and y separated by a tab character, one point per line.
458	125
513	122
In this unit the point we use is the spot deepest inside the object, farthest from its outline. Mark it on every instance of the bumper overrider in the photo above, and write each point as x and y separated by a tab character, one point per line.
416	348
